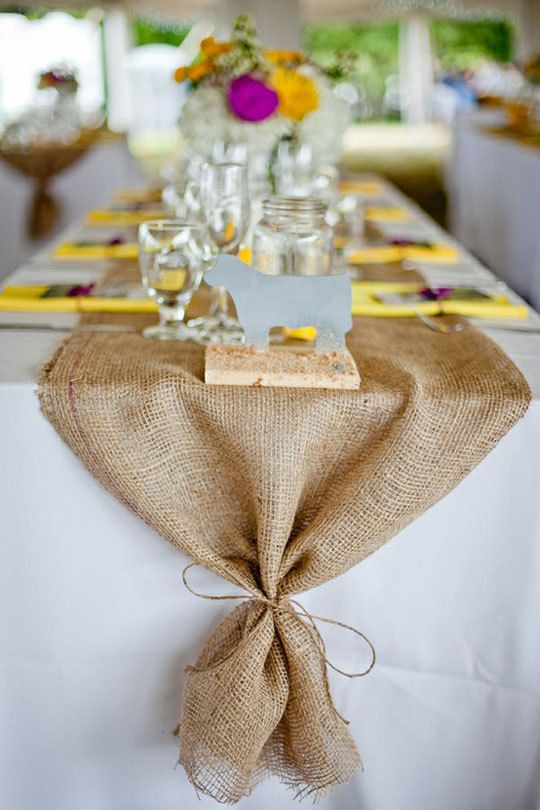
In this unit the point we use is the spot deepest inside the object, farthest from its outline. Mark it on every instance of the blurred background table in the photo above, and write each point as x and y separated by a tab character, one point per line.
106	166
494	190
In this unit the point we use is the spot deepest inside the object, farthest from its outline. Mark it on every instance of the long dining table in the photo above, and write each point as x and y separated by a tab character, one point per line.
97	628
494	198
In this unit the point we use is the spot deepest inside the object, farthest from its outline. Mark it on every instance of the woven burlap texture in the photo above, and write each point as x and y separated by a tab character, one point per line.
278	491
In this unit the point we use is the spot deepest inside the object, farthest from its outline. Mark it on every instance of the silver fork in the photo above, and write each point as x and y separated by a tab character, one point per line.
436	325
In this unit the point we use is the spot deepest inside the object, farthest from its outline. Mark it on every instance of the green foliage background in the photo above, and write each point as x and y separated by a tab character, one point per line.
156	31
374	46
461	45
456	45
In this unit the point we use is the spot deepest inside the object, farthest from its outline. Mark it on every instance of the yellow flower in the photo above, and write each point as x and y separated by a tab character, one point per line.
181	74
297	93
198	72
277	56
209	47
194	73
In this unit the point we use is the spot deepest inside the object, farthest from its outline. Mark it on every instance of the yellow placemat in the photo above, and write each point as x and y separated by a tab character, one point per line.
83	251
386	214
436	253
122	219
370	188
29	299
365	302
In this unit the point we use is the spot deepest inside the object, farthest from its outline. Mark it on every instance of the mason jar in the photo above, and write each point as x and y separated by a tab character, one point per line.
293	238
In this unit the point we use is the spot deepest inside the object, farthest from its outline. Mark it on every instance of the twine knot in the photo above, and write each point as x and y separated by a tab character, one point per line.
293	608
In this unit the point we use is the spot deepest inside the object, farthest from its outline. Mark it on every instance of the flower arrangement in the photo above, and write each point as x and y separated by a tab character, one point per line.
59	78
244	93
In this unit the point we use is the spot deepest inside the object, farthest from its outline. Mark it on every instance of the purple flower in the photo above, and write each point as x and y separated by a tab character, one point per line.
403	242
251	100
80	289
435	293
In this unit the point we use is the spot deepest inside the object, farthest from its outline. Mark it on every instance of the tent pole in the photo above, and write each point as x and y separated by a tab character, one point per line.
415	68
117	42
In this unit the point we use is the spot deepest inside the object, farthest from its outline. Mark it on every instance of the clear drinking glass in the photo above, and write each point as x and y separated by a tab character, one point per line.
225	212
173	199
229	152
351	225
192	201
294	169
172	263
293	238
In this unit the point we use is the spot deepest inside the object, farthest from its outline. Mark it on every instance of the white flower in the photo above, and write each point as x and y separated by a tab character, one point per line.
260	136
203	119
323	128
206	119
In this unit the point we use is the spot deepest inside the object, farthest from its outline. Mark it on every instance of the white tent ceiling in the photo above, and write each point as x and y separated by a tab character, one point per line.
280	20
311	10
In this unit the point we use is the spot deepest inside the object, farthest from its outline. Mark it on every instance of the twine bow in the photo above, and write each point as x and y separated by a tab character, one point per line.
300	610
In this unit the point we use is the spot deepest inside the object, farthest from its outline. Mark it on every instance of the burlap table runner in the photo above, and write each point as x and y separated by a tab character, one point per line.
278	491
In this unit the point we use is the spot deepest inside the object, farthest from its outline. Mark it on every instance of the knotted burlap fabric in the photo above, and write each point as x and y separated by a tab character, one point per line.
278	491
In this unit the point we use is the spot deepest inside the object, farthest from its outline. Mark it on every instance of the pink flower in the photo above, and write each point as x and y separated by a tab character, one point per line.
250	99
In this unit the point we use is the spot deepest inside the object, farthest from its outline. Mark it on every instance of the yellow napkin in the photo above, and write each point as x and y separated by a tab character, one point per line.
71	250
365	302
122	219
370	188
304	333
382	214
437	253
28	299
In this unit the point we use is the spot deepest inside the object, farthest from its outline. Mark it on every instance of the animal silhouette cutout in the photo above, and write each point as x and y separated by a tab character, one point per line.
263	301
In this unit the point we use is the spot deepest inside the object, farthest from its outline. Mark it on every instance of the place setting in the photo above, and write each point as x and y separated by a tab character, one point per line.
271	429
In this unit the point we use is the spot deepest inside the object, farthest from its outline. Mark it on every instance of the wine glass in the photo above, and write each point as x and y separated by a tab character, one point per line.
172	262
350	232
192	201
294	169
225	212
173	199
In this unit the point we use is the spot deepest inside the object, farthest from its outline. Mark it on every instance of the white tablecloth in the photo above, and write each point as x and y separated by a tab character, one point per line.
97	628
494	192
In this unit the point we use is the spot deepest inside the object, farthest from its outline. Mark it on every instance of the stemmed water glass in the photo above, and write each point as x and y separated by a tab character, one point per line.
225	211
173	199
172	261
192	201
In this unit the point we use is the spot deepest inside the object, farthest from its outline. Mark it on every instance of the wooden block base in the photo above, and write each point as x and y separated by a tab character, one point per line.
280	366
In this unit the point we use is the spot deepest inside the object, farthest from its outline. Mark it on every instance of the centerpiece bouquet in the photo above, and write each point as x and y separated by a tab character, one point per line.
53	118
61	79
244	93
